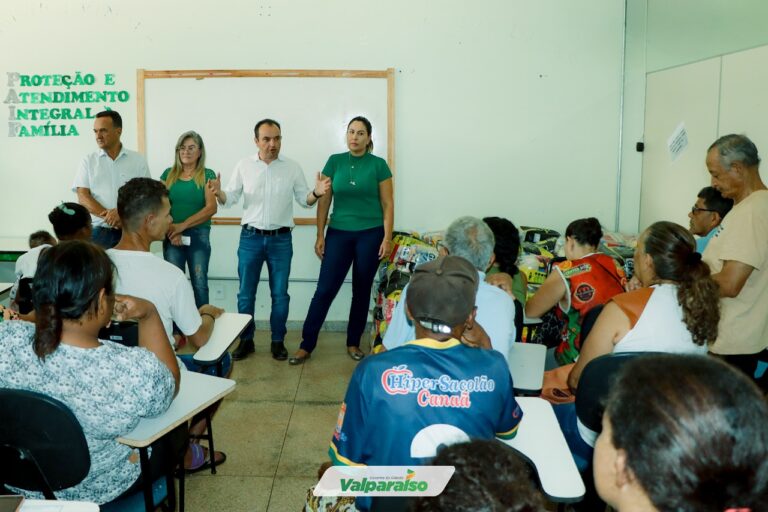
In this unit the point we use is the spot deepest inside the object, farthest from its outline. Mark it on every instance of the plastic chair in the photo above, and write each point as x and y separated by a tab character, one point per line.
125	333
43	448
595	384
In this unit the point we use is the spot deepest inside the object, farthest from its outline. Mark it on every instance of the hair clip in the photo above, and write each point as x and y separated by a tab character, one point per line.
63	207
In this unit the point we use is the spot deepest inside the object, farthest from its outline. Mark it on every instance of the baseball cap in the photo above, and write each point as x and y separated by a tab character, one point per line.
441	293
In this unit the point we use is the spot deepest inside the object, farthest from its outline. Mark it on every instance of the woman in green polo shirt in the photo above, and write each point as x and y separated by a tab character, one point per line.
193	204
359	235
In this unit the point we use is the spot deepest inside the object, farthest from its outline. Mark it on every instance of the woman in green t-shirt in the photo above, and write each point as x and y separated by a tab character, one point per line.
193	203
358	236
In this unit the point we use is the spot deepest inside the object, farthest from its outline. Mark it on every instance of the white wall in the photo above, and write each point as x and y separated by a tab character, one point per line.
705	67
684	31
503	107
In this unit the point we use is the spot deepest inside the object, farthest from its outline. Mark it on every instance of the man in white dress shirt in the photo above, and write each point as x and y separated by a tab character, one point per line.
268	184
102	173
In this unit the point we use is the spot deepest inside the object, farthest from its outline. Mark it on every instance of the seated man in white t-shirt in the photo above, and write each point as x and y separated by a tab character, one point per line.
145	214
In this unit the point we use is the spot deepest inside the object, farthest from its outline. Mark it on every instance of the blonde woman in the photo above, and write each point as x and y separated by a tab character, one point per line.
193	203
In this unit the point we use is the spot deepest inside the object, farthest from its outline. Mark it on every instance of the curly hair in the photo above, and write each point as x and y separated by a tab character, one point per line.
695	434
507	248
490	476
673	252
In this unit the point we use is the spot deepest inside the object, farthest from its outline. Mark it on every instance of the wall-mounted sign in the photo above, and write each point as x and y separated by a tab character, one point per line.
55	105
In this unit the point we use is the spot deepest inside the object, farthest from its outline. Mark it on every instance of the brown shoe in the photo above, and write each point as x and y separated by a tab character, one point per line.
299	357
355	353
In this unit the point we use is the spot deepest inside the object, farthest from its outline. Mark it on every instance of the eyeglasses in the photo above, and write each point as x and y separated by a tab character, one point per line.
696	209
187	148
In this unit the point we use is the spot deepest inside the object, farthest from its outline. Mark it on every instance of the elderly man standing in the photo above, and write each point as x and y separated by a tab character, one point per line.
738	256
471	239
268	184
102	173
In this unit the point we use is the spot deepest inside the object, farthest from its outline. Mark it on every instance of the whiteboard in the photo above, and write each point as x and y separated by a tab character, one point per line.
223	107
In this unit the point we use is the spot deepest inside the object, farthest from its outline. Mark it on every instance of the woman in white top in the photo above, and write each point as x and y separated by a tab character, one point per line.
677	310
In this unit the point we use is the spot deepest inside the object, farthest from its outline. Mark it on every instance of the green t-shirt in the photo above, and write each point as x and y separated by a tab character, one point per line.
187	198
355	182
518	287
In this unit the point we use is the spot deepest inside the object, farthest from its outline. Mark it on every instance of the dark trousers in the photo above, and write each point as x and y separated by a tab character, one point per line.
752	365
360	250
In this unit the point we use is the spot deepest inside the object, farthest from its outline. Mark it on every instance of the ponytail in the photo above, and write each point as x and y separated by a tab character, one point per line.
507	244
68	281
673	251
699	296
48	327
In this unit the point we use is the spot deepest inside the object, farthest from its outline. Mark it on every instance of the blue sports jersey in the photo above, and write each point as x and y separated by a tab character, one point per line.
401	405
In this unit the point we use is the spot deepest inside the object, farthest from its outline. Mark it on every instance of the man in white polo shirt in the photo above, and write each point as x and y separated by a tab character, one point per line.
102	173
268	184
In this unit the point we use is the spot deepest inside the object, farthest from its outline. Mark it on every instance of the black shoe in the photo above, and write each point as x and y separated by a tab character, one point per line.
278	351
243	350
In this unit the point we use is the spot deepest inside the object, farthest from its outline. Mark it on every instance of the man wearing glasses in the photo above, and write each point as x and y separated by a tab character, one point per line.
707	214
268	184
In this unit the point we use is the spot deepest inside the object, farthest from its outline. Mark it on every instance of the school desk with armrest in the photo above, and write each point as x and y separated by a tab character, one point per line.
196	393
226	329
540	440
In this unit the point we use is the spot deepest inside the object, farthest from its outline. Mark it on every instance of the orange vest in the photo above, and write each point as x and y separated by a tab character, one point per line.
592	280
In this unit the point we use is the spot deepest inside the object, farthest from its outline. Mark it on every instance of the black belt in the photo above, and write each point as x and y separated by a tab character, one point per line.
267	232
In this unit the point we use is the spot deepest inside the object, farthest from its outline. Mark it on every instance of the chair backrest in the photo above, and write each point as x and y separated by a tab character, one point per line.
595	383
42	445
125	333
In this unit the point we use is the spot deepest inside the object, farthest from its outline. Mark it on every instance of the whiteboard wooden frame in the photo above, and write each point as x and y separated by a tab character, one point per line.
389	74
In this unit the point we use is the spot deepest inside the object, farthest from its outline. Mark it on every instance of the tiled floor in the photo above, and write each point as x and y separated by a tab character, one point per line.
275	429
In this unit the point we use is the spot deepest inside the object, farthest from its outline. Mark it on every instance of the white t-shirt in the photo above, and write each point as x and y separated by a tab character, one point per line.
660	327
149	277
26	266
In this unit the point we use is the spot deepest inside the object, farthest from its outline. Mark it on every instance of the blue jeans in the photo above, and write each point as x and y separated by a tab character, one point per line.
189	362
360	250
194	256
106	236
581	451
253	251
